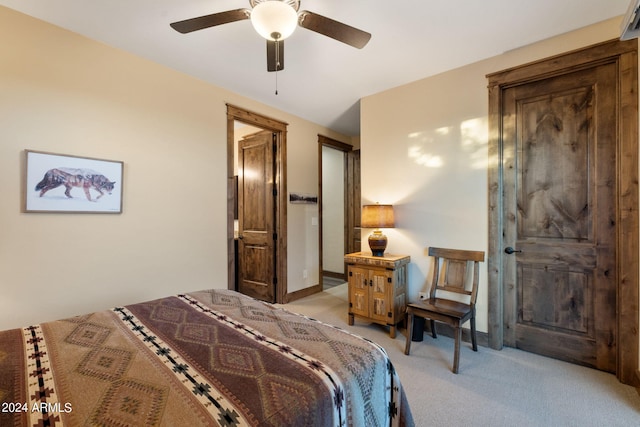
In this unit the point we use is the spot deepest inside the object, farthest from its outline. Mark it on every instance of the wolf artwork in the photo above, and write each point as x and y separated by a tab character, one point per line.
86	179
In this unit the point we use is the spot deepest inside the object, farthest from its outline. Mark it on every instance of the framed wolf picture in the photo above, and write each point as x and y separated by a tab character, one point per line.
64	183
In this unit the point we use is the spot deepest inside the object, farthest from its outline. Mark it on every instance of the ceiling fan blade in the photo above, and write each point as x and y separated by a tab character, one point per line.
334	29
202	22
275	56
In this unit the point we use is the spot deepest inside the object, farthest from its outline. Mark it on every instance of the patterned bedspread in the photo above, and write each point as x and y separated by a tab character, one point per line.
208	358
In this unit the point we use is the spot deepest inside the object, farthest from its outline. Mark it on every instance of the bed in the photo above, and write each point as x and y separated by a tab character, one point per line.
206	358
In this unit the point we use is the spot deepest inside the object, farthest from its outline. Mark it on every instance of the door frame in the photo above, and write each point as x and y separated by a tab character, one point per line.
239	114
624	54
325	141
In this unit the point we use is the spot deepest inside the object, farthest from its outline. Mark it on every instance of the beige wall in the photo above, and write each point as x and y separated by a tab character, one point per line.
66	94
432	136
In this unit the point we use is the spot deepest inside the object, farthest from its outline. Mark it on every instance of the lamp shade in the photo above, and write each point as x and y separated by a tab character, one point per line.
274	19
377	216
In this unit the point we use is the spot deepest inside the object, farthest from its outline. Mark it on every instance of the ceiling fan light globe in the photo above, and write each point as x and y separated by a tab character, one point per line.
273	17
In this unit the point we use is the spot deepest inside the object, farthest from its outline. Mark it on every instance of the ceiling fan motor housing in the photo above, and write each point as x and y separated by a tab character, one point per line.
295	4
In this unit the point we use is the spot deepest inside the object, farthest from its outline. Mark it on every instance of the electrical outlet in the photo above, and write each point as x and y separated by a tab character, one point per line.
423	296
305	274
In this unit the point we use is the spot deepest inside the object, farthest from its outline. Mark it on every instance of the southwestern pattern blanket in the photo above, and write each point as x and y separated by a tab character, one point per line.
207	358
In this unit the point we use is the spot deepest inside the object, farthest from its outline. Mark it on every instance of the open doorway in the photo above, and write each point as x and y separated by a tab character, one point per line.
339	206
333	218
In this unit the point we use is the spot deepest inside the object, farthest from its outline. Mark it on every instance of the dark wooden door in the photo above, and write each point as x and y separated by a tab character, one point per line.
560	216
353	202
256	217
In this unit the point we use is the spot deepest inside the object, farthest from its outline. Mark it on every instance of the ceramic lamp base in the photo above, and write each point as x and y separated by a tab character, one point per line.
377	243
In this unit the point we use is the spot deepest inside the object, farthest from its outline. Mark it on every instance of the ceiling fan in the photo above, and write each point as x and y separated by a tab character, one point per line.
275	20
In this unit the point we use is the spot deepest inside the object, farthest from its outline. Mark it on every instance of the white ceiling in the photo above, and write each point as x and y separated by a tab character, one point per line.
323	79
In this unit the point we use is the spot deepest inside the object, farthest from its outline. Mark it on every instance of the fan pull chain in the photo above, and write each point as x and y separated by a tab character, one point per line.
277	63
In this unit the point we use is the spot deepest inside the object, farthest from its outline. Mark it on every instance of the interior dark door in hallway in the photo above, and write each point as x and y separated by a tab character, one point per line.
256	217
560	216
353	202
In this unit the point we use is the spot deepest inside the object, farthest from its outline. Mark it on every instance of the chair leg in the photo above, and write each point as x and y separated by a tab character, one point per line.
474	341
407	345
456	354
433	328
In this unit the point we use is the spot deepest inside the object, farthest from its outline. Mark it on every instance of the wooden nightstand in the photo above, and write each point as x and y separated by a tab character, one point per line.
377	288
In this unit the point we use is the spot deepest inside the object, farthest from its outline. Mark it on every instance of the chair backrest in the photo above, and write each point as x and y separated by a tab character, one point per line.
451	271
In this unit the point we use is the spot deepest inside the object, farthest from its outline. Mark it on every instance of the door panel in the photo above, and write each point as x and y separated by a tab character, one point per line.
560	206
359	289
379	294
565	297
256	217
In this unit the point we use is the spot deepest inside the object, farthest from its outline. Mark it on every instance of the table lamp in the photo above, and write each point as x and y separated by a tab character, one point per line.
377	217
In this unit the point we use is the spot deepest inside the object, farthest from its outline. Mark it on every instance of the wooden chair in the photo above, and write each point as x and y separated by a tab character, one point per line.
450	274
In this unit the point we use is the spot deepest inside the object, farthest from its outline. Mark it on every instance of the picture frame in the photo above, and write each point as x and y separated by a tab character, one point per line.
303	198
73	184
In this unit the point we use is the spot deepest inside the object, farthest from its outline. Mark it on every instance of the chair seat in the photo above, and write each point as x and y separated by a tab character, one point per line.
442	306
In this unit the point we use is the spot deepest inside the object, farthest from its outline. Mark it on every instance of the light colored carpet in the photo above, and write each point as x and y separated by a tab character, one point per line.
494	388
